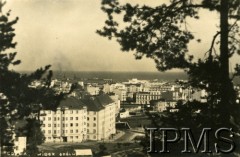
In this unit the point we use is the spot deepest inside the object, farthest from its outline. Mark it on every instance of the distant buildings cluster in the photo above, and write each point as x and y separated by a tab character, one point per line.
90	111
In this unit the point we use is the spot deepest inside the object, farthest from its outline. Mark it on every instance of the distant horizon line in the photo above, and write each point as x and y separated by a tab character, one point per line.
107	71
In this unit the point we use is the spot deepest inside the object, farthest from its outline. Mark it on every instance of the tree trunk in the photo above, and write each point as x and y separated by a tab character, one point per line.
224	64
0	146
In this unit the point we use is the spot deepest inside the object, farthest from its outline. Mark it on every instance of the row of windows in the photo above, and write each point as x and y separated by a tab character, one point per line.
94	131
94	118
63	112
64	125
71	137
94	124
148	97
63	118
63	131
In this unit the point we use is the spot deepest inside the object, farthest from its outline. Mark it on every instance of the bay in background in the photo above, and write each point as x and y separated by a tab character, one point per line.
120	76
123	76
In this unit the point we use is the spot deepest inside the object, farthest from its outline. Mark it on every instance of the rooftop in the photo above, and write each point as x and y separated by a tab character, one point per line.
71	103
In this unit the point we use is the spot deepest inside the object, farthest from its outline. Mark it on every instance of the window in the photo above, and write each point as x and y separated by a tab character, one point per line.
58	131
77	131
58	125
87	124
66	125
43	131
65	131
71	137
49	125
63	125
94	137
62	118
43	118
71	111
16	147
43	125
71	118
49	131
94	118
49	118
71	124
58	118
55	125
76	118
84	123
55	118
49	138
94	130
76	137
66	118
54	131
87	118
71	131
87	130
76	124
94	124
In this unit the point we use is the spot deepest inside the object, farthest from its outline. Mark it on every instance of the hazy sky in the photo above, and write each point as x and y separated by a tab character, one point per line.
62	33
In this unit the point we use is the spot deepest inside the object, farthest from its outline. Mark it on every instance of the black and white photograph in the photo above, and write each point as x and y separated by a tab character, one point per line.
119	78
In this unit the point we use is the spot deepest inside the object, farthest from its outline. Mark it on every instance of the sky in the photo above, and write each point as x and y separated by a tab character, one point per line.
63	33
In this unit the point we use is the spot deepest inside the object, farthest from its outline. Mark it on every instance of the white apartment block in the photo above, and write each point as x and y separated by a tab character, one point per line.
75	120
101	117
20	145
67	124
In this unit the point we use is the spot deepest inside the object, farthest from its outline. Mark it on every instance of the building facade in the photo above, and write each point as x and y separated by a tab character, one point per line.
77	120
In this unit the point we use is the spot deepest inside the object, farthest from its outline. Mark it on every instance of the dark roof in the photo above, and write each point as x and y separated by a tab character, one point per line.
71	103
92	104
133	84
104	99
97	103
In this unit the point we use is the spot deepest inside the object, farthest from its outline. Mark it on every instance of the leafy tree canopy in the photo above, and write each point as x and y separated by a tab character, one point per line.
161	32
19	99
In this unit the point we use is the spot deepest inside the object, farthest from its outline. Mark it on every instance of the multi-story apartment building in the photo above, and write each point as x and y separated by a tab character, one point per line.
67	124
122	94
146	97
92	89
101	117
133	88
76	120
